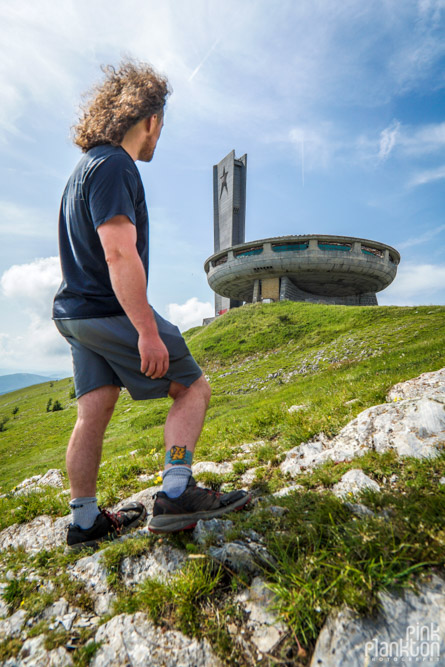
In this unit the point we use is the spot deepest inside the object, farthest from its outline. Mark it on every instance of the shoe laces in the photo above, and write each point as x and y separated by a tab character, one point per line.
114	519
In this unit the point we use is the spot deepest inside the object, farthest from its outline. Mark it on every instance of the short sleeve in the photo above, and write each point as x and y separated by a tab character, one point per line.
112	190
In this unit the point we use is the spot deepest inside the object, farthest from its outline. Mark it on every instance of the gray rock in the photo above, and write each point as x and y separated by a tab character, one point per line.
12	626
212	529
34	654
406	622
359	510
163	561
412	427
91	571
57	609
210	466
277	510
266	631
287	490
134	640
421	386
241	557
248	477
353	482
146	497
43	532
295	408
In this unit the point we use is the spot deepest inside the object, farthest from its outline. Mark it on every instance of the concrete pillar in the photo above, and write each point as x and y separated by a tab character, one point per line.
256	291
313	244
386	255
356	246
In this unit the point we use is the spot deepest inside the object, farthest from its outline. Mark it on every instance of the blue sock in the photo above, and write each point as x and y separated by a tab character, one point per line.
85	511
175	480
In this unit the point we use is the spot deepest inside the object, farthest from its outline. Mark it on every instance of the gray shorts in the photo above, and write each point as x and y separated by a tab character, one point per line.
105	351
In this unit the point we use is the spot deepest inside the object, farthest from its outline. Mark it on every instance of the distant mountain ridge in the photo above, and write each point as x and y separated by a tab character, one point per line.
20	380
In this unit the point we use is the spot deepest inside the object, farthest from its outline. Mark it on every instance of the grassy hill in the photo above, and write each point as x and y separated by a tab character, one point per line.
260	359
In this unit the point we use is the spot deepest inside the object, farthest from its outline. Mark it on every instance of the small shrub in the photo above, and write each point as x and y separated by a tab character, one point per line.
49	404
15	410
3	421
57	406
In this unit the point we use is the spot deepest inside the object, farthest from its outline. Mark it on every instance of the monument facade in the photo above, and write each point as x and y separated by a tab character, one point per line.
315	268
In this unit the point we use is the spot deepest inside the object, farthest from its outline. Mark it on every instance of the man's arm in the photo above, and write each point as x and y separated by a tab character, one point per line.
118	238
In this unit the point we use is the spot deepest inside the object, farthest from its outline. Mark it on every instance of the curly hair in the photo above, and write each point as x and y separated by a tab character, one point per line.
128	94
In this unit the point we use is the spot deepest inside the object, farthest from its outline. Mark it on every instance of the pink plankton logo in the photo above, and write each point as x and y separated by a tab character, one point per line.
420	644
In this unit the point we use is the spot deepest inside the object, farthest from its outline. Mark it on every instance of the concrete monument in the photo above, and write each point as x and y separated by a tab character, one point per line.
316	268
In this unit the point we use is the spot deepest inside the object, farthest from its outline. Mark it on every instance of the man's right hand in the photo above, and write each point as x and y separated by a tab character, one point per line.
154	356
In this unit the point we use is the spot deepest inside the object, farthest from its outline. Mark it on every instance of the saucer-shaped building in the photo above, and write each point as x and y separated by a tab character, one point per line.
316	268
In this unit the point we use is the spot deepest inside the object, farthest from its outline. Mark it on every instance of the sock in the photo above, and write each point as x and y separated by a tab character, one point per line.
175	480
84	511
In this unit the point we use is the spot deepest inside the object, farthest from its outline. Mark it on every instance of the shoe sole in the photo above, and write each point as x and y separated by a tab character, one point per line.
79	546
174	523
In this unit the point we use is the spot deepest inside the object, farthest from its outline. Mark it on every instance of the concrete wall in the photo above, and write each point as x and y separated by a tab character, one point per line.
229	201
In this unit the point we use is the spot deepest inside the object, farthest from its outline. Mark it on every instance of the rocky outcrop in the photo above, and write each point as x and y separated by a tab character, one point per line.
412	422
409	628
136	641
412	426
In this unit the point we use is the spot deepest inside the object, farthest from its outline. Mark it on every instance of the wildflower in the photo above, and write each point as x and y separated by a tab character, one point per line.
158	480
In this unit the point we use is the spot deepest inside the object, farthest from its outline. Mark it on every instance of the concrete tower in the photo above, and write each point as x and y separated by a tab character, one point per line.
229	212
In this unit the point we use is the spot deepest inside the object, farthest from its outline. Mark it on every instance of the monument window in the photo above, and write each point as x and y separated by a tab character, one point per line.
372	251
220	260
342	247
286	247
249	251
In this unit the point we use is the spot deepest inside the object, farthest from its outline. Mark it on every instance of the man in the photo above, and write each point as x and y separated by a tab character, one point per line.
101	308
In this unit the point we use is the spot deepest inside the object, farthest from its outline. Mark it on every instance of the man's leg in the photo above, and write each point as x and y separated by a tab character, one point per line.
182	503
186	416
182	430
85	446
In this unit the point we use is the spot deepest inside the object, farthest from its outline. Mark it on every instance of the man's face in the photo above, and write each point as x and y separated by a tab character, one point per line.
148	148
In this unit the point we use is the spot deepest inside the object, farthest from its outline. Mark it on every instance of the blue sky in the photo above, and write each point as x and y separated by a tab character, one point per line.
339	104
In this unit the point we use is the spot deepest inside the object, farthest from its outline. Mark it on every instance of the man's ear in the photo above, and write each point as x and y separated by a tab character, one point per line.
151	123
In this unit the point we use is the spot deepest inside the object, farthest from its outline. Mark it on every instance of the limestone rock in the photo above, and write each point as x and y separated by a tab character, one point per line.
242	557
248	477
287	490
134	640
359	509
413	427
91	571
266	630
210	466
43	532
12	626
34	654
53	478
212	529
295	408
162	561
146	497
353	482
421	386
406	622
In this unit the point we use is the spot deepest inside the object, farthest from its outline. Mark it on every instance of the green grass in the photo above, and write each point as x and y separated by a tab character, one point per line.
261	359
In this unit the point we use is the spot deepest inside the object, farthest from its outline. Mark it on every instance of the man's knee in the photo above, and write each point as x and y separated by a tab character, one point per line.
200	387
98	404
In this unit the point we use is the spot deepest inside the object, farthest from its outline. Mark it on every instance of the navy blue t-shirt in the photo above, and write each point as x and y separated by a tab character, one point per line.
105	183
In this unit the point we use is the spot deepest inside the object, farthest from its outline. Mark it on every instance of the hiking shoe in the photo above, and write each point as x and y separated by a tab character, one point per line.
107	526
171	515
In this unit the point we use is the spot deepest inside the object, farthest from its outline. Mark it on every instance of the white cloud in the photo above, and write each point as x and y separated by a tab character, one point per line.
189	314
416	284
422	238
388	140
32	287
34	284
427	176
